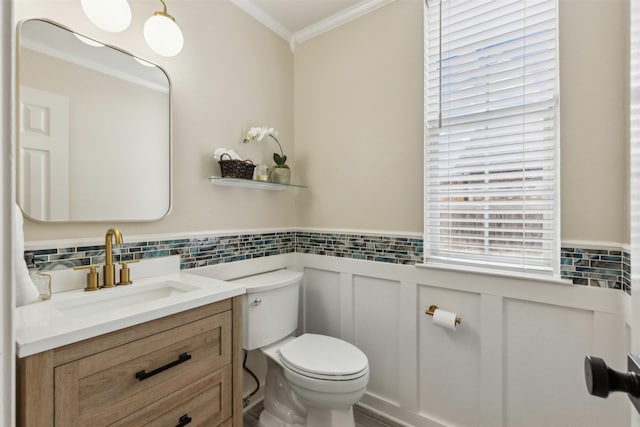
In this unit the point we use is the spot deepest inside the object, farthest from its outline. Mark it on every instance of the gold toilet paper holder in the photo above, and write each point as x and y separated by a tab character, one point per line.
433	308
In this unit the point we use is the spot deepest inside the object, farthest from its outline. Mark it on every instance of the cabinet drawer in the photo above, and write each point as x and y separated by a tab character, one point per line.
205	403
103	388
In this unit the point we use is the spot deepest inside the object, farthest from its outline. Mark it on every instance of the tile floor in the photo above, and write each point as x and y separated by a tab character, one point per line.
363	418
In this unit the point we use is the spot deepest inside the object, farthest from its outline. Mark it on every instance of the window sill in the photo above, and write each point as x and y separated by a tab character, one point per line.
487	272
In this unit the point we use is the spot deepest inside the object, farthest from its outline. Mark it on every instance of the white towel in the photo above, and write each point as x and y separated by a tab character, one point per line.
26	291
220	151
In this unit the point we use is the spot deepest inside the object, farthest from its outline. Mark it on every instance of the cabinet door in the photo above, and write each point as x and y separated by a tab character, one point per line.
103	388
205	403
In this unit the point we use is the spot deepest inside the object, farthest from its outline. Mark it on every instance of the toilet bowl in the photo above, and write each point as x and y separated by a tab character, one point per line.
312	380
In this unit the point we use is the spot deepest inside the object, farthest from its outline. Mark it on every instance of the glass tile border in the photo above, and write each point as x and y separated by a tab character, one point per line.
194	252
369	247
598	267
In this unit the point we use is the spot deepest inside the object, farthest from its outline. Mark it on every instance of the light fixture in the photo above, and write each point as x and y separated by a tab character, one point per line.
163	34
113	15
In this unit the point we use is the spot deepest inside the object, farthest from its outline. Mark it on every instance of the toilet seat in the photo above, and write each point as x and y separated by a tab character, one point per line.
312	380
324	358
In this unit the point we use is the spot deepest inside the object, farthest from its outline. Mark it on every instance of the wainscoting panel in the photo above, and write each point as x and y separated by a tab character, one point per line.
321	302
545	346
449	361
376	332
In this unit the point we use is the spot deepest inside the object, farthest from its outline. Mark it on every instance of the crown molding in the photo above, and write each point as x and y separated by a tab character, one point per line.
354	12
264	18
314	30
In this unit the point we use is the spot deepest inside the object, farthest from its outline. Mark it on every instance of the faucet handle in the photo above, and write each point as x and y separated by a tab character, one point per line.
125	276
92	276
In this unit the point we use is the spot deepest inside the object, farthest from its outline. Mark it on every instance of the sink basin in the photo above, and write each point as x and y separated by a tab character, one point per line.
120	298
77	315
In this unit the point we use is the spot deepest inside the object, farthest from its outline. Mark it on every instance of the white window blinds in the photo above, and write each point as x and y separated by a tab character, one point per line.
491	195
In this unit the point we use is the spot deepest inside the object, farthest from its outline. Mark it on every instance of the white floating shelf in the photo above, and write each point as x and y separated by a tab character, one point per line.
251	183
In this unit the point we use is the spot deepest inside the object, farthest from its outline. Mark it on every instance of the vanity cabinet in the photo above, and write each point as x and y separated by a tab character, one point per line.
183	369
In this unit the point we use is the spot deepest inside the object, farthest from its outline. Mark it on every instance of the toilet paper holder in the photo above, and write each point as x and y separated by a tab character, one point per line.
433	308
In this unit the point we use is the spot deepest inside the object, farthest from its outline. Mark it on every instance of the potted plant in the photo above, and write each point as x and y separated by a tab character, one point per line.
280	172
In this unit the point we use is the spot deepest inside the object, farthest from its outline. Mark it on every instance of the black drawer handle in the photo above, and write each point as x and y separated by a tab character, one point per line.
142	375
184	420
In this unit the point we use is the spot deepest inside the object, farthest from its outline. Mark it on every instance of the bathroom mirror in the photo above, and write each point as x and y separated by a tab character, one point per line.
93	129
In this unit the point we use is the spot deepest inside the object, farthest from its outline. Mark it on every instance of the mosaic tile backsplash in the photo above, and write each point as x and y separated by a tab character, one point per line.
610	268
194	252
392	249
605	268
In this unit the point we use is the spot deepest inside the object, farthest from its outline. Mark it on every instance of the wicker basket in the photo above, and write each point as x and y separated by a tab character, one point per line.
236	168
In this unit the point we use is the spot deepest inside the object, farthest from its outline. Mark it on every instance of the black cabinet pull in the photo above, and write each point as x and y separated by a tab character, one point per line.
184	420
142	375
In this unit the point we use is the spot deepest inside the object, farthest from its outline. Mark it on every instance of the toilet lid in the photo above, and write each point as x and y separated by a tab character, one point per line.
321	356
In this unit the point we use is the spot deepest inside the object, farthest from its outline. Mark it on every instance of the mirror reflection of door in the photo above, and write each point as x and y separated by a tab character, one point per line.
44	154
119	130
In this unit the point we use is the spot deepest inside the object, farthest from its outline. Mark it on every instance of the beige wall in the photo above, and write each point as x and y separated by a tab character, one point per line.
358	121
233	73
358	118
358	103
593	137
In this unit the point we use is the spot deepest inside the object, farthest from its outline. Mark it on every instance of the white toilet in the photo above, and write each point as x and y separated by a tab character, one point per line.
312	380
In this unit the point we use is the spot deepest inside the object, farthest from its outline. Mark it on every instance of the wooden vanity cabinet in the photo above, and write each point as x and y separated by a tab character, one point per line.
183	369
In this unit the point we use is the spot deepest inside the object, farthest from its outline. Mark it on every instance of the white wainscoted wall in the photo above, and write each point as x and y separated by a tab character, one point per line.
515	360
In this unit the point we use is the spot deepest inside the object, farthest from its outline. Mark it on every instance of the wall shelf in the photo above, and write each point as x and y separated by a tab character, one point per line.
251	183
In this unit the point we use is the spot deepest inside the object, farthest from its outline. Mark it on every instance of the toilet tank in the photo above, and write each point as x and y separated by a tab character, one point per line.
270	309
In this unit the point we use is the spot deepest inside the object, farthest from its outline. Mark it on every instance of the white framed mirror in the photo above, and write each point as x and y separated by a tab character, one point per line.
93	129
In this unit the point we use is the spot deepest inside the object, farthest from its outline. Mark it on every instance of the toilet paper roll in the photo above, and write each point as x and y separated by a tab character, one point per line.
446	319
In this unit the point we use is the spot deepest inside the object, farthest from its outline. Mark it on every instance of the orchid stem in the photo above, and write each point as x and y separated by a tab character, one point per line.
278	142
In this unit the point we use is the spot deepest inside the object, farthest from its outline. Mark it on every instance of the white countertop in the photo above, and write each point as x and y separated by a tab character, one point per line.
77	315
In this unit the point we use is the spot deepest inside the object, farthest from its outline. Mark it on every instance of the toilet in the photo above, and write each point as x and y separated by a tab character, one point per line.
312	380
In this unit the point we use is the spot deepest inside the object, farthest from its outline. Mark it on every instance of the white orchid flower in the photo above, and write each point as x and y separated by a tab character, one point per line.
264	131
258	133
253	133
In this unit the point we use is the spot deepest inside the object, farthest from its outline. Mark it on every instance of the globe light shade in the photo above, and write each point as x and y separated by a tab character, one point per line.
113	15
163	35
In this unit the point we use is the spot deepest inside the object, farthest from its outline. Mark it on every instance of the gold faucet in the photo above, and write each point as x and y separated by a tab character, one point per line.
109	270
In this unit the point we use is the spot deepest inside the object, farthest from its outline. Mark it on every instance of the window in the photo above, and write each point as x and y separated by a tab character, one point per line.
491	155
